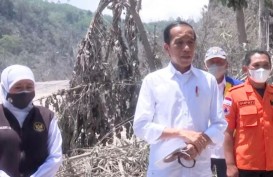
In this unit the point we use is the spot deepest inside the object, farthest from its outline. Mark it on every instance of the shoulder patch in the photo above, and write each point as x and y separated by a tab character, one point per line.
227	101
226	111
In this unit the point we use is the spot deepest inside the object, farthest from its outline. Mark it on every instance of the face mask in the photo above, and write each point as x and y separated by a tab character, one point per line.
217	71
259	75
20	100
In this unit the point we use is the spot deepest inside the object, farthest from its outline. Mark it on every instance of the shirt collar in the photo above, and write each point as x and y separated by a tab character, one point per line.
223	83
172	71
269	88
249	87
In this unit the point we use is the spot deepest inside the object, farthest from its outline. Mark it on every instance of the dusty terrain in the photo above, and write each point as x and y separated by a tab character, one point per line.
46	88
43	89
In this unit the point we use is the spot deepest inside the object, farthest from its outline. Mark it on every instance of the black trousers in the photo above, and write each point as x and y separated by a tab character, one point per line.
255	173
219	166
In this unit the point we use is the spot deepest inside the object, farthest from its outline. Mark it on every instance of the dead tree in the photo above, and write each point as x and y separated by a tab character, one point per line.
106	78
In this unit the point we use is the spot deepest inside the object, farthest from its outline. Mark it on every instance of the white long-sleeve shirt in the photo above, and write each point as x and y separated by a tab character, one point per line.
188	101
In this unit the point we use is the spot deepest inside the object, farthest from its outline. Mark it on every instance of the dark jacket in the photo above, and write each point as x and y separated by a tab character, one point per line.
29	142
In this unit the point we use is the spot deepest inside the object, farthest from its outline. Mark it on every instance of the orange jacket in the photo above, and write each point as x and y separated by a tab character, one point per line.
251	116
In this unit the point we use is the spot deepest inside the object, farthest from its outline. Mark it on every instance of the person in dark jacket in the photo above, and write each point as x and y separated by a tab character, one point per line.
30	140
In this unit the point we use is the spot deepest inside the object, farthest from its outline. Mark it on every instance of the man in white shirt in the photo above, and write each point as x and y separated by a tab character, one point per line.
216	64
175	106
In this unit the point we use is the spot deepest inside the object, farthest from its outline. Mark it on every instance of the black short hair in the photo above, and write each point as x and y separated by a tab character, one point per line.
167	35
249	54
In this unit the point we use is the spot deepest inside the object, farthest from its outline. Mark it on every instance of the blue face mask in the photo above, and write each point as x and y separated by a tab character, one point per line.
20	100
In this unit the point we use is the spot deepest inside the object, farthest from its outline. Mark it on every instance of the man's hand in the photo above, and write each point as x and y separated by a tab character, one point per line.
192	151
198	139
232	170
188	153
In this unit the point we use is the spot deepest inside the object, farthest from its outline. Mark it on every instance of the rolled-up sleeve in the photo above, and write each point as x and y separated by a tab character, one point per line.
144	127
218	123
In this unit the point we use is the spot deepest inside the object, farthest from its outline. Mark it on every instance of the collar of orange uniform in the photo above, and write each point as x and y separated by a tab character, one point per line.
269	88
249	88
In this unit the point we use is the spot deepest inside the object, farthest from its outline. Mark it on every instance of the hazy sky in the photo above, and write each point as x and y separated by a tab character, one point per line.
153	10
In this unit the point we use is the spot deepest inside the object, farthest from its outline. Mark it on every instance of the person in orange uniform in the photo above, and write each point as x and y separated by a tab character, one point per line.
248	109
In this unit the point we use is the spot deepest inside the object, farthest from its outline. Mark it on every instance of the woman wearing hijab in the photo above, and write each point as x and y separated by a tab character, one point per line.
30	140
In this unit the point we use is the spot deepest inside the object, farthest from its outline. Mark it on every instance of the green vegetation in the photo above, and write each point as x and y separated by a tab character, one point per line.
42	35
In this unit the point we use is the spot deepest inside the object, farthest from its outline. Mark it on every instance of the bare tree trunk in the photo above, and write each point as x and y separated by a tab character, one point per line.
262	25
271	36
267	23
240	20
270	28
143	35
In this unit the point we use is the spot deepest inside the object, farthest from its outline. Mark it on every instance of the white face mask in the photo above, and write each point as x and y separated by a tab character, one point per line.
217	71
259	75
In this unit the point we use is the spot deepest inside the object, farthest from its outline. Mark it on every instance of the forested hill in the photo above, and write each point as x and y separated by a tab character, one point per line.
45	35
41	35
